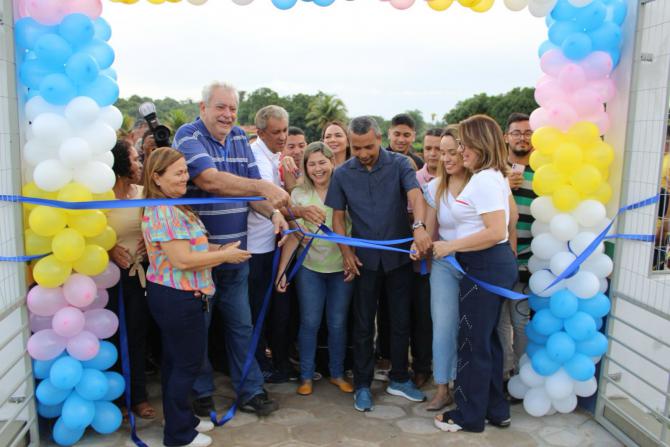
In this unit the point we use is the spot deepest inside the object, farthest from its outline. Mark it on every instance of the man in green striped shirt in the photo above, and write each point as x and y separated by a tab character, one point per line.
514	315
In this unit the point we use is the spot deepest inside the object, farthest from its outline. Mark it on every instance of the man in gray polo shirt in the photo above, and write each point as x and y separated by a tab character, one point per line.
374	187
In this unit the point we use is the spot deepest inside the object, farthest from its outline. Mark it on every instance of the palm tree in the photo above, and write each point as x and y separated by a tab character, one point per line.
176	118
325	108
126	126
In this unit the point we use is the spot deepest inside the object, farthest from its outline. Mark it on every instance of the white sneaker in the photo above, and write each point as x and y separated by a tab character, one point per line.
204	426
200	441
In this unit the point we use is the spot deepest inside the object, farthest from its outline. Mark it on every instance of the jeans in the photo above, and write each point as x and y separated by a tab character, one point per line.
317	291
232	301
178	314
514	316
444	290
368	287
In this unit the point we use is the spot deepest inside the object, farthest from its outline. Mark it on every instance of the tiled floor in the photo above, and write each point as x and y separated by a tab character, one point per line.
327	418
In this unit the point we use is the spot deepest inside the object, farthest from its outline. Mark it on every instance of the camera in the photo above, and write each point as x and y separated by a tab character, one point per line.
161	133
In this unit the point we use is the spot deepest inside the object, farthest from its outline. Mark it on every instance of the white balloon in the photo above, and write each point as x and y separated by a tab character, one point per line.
603	285
36	151
579	243
529	377
599	264
600	227
524	359
37	105
566	405
536	403
516	387
540	8
589	213
112	117
564	227
535	264
538	228
82	111
543	209
101	138
559	385
545	246
107	158
586	388
75	152
514	5
560	261
96	176
580	3
51	128
540	280
51	175
197	2
242	2
583	284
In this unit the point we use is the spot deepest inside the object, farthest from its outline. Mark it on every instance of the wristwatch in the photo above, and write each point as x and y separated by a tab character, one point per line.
418	224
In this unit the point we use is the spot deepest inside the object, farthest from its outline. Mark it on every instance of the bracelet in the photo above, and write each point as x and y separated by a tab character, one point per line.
275	211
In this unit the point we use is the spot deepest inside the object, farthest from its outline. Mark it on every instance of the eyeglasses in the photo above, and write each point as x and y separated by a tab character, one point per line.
518	134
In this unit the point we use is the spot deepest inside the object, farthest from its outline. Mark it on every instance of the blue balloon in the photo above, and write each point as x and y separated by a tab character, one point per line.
53	50
76	29
560	347
284	4
534	336
66	436
580	367
93	385
105	359
107	418
560	31
577	46
42	368
616	57
580	326
591	16
594	346
324	2
545	323
116	385
100	51
538	303
546	46
543	364
599	323
549	20
532	348
104	90
607	37
618	10
49	411
27	30
597	307
77	412
32	72
82	68
102	29
563	304
110	72
48	394
57	89
66	373
564	10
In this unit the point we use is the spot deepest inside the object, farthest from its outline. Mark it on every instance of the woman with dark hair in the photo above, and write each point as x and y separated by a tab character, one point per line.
335	136
129	255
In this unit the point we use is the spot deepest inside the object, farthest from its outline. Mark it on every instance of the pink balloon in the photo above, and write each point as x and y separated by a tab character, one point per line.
47	12
602	120
83	346
605	88
109	277
572	77
91	8
561	115
552	62
597	65
38	323
80	290
68	322
101	322
45	301
402	4
45	345
100	301
548	90
586	102
538	118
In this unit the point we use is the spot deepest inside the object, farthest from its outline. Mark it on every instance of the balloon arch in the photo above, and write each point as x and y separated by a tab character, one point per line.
67	88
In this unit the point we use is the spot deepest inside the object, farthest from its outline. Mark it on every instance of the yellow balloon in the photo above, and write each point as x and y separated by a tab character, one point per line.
108	195
482	6
36	244
89	224
604	173
440	5
46	220
584	133
538	159
565	198
93	261
75	192
30	190
547	179
600	155
106	239
568	157
156	2
547	139
68	245
468	3
603	194
50	272
586	179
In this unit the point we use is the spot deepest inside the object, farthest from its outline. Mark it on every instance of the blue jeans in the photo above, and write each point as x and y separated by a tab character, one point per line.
232	301
444	290
316	291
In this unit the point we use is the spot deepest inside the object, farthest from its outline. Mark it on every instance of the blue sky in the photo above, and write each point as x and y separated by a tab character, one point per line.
379	60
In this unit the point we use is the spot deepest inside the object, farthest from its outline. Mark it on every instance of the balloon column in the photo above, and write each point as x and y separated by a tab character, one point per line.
571	164
64	69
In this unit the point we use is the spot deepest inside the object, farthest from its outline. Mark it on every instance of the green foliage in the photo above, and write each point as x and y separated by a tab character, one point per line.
164	107
419	121
254	101
324	108
499	107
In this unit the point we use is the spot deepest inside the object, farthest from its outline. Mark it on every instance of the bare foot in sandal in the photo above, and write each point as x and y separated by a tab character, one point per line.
442	398
144	410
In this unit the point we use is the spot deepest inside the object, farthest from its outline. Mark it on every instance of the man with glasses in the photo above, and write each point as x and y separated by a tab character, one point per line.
514	315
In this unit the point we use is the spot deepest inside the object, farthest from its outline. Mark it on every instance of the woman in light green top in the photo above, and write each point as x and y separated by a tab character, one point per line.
321	281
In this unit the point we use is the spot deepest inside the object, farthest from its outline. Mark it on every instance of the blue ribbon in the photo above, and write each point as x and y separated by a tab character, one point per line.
21	258
501	291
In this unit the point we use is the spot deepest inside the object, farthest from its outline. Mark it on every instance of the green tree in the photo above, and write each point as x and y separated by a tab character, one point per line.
419	121
254	101
297	107
325	108
499	107
176	118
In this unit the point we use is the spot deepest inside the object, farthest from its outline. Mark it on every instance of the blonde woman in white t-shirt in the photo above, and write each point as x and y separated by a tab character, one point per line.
481	212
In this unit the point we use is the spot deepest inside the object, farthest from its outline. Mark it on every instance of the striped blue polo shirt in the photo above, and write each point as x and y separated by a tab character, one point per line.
225	222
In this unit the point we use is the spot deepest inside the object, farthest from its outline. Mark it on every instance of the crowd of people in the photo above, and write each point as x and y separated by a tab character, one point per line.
376	313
